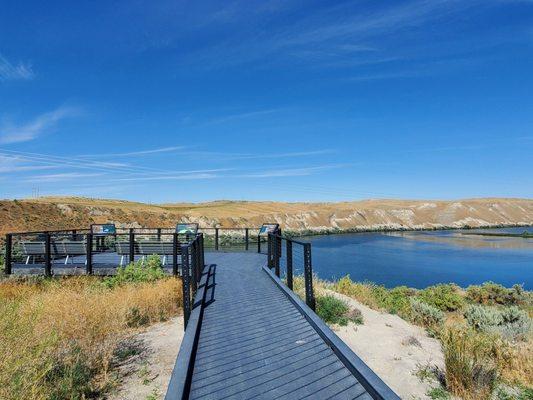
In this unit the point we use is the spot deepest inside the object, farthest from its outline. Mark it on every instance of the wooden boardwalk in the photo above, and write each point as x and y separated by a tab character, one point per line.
254	342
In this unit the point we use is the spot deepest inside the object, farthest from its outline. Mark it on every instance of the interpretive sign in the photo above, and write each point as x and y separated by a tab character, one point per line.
268	228
186	229
103	229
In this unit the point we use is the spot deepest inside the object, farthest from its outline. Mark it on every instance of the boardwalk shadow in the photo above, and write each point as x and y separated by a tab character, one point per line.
211	286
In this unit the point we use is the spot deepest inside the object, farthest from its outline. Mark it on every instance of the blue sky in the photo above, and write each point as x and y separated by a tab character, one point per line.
165	101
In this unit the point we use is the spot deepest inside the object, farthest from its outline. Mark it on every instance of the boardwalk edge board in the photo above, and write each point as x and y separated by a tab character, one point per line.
368	378
180	380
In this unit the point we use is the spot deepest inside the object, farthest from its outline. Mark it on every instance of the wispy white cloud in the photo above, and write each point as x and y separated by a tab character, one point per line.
287	172
337	35
42	124
241	116
14	164
170	149
191	176
10	71
64	176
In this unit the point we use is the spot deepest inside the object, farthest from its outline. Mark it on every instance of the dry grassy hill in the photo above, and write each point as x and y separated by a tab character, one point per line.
72	212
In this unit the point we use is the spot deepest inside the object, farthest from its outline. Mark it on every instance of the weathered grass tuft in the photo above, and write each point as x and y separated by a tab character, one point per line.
59	336
471	372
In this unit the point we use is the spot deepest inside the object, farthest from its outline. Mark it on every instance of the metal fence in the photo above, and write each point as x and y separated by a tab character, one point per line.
79	249
288	258
73	251
193	263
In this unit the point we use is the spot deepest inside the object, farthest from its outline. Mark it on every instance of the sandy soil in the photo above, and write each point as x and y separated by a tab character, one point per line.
393	348
147	374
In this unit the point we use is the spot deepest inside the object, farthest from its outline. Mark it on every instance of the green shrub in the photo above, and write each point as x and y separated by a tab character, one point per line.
516	324
137	272
394	301
425	314
490	293
398	300
511	323
438	393
332	310
483	318
445	297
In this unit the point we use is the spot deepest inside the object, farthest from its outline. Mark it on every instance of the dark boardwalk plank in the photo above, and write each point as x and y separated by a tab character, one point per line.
254	344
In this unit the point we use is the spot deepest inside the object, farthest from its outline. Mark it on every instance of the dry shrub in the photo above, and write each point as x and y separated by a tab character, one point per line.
471	370
515	362
58	341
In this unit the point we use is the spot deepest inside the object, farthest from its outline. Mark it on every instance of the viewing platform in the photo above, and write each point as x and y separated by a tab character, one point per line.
248	335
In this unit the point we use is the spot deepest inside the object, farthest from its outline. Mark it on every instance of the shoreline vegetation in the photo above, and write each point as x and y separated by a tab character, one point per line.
485	331
337	231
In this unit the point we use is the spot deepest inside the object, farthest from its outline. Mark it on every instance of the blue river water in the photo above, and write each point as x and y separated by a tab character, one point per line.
423	258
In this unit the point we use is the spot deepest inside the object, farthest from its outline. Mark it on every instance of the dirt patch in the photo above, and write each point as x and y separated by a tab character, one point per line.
145	374
396	350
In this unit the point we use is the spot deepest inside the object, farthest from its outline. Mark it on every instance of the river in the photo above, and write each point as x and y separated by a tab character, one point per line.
423	258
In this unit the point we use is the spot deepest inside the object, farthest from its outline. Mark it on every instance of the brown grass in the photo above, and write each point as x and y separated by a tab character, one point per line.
59	338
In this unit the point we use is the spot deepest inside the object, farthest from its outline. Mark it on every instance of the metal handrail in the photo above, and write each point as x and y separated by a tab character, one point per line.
275	250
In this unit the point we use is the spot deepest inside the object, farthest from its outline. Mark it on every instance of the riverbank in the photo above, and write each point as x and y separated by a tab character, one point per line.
336	231
52	213
485	335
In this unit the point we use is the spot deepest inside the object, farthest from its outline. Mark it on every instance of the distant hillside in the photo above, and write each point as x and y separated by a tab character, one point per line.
72	212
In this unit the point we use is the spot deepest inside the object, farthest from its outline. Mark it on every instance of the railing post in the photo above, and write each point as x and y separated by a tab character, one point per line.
194	265
289	264
159	234
175	253
216	239
246	239
202	254
7	260
308	275
269	251
185	284
89	266
277	248
47	255
132	246
74	235
259	243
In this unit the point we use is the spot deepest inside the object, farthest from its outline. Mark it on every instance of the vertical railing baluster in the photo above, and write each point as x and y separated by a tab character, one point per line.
132	246
288	254
194	266
202	254
277	248
89	260
246	239
47	255
159	234
308	276
269	255
216	239
185	284
7	260
175	254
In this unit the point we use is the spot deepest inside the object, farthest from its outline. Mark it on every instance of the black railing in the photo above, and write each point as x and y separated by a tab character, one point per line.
192	255
288	257
96	253
233	239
